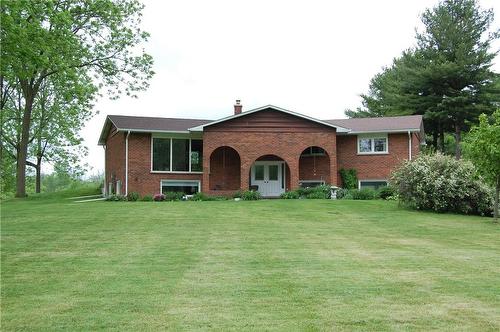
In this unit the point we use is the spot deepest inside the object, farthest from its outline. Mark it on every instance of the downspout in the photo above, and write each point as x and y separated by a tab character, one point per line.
409	145
126	163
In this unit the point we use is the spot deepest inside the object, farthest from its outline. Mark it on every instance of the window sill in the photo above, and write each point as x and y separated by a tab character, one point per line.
371	153
174	172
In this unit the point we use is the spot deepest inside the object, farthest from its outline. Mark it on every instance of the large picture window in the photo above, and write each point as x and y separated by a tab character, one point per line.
177	155
372	144
161	154
180	155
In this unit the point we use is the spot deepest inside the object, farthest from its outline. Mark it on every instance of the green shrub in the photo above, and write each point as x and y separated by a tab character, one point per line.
237	194
132	196
217	198
343	193
173	196
443	184
386	192
292	194
116	198
147	198
349	178
316	195
250	195
319	192
199	196
363	194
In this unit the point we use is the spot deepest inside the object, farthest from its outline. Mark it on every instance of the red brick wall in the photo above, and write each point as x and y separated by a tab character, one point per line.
283	135
314	168
115	159
140	177
374	167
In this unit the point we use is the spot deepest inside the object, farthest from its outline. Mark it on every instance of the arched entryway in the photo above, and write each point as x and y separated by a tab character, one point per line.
225	169
269	175
314	167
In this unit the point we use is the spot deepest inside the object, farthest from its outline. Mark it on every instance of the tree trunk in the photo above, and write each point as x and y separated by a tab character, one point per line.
435	140
38	180
23	146
458	139
441	140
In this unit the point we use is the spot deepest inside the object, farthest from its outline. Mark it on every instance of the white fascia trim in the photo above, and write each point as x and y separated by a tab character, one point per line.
339	129
154	131
383	131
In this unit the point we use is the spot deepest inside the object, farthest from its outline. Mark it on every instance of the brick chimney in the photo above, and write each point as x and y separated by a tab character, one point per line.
237	107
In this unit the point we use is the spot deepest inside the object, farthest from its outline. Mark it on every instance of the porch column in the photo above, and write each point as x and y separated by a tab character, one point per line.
333	163
205	183
333	170
294	174
244	173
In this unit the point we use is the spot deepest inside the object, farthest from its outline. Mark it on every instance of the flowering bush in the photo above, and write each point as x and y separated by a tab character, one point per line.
443	184
158	197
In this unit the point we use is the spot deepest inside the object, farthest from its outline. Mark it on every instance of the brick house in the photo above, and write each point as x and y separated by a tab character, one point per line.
268	149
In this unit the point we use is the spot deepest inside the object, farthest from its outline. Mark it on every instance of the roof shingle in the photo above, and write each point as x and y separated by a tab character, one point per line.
390	123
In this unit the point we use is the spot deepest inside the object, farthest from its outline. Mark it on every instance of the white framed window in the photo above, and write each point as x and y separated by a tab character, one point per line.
372	184
187	187
176	155
373	144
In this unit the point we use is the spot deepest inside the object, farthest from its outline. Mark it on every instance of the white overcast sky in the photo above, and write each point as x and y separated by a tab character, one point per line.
312	57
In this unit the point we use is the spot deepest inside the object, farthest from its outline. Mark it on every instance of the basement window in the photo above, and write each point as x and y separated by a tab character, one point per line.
372	184
188	187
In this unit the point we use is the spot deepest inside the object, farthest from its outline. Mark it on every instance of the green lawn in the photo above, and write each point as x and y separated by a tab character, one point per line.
263	265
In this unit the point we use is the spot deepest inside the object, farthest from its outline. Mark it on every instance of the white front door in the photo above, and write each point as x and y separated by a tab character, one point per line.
269	177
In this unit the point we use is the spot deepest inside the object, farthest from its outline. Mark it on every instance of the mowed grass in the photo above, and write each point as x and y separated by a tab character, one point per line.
264	265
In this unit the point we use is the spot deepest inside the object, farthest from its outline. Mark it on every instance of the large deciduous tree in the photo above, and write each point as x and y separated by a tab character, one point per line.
482	146
447	77
75	40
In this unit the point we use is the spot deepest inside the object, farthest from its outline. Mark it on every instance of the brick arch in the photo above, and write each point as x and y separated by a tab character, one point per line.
224	169
315	167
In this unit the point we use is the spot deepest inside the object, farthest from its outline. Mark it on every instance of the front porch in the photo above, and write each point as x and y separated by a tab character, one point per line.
270	174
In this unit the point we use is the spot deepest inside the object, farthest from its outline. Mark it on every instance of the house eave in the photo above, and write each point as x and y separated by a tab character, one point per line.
390	131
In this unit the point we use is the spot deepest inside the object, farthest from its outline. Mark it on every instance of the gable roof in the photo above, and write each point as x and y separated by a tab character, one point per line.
142	124
339	128
382	124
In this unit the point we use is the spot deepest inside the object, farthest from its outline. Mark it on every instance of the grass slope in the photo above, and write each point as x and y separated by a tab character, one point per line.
264	265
